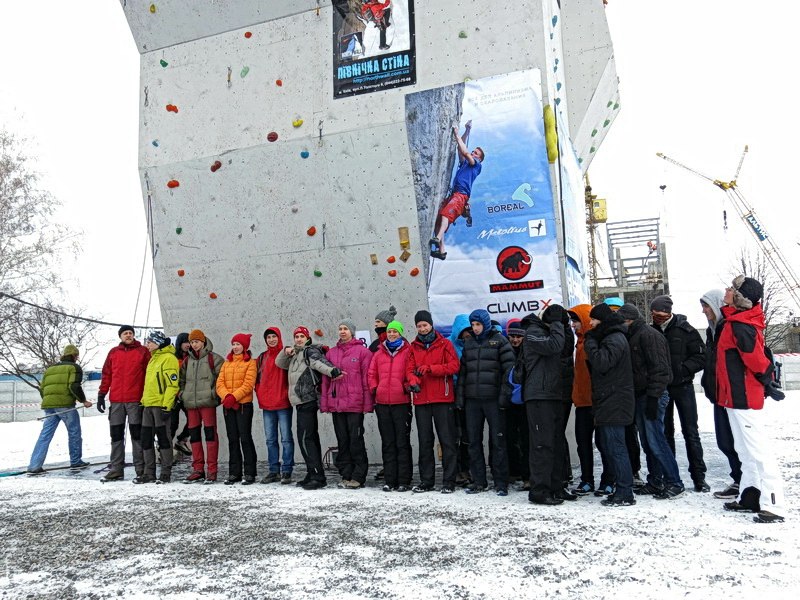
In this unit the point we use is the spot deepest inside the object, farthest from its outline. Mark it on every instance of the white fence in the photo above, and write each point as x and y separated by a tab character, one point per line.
20	402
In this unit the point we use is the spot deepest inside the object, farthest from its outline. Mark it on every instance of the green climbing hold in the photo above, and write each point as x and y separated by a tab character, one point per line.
616	105
610	104
462	34
594	132
317	273
592	149
606	122
178	230
245	71
163	63
580	160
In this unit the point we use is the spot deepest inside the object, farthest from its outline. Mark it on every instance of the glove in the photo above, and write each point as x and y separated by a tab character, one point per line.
101	403
336	372
651	408
773	390
422	370
504	401
230	402
167	412
459	402
553	314
414	389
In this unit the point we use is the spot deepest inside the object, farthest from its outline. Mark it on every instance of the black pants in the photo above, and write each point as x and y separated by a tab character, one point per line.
632	445
351	455
308	440
480	411
462	441
566	465
722	428
174	421
683	399
239	427
517	442
545	429
442	415
394	425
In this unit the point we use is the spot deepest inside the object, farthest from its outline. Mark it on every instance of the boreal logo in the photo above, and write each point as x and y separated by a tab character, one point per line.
514	263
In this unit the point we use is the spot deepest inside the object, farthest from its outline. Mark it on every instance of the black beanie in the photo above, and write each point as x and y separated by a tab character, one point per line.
661	304
629	311
601	312
125	328
751	289
423	315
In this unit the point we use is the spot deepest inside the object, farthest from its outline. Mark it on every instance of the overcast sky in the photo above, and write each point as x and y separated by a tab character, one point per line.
698	81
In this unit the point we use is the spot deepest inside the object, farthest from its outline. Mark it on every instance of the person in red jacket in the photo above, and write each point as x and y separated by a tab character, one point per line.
432	363
272	391
744	379
123	382
387	381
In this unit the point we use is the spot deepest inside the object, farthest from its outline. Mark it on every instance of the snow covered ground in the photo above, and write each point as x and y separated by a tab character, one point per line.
69	536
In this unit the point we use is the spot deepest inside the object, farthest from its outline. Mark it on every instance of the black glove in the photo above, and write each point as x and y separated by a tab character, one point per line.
414	389
178	404
336	372
101	403
166	411
553	314
460	402
504	401
773	390
651	408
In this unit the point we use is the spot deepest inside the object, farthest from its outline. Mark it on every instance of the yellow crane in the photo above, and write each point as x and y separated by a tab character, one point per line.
774	256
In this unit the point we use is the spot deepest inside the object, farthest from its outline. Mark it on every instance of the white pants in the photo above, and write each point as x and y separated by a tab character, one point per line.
759	466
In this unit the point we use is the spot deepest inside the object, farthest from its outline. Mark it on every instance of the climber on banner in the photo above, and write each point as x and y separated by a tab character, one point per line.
378	13
457	205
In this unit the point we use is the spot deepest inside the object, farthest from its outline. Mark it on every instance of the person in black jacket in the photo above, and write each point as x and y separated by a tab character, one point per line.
651	374
609	358
567	381
485	363
543	392
517	442
687	353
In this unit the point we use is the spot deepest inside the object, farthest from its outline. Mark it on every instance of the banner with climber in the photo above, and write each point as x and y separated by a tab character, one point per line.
484	197
373	46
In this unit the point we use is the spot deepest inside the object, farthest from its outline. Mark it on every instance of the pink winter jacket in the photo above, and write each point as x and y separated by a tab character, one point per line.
351	393
387	375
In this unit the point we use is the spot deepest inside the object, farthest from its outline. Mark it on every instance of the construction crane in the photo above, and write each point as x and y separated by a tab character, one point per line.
772	253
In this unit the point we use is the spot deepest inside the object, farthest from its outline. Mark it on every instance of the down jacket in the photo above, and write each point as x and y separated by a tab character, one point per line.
123	373
542	348
198	379
61	385
304	369
582	385
161	383
686	349
609	357
650	360
238	377
485	364
387	374
438	384
272	382
351	393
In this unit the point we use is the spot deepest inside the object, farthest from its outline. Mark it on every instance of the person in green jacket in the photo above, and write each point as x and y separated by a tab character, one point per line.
60	390
161	384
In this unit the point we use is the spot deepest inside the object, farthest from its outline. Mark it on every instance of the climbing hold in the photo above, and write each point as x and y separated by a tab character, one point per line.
462	34
662	187
245	71
550	134
216	166
297	123
248	34
304	154
173	183
610	104
294	209
391	259
392	273
213	296
179	230
373	258
592	149
163	62
606	122
558	86
319	332
405	255
153	8
272	136
558	101
414	272
556	61
317	273
616	105
555	20
279	82
172	108
580	160
181	272
311	231
155	143
594	132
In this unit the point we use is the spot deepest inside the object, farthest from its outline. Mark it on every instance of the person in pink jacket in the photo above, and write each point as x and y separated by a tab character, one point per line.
387	380
348	397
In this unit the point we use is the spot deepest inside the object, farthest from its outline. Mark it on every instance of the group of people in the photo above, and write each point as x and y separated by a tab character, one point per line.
622	374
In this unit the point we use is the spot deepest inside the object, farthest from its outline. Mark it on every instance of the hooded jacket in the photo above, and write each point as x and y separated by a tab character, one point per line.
161	379
299	366
650	359
460	323
123	372
438	384
542	349
351	393
238	377
609	357
61	385
714	299
485	364
743	368
686	349
582	385
272	382
387	374
179	341
198	380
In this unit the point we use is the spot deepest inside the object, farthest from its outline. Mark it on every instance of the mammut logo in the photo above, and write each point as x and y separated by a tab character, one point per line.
514	262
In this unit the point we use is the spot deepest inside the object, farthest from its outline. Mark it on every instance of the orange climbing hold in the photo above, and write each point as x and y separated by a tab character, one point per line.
248	34
311	230
181	272
279	82
393	273
173	183
414	272
172	108
318	332
216	166
391	259
213	296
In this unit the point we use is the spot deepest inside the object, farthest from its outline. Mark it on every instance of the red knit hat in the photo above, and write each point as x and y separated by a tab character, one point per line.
243	339
303	330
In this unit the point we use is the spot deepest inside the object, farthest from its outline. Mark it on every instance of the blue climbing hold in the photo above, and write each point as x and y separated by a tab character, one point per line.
555	20
305	154
155	143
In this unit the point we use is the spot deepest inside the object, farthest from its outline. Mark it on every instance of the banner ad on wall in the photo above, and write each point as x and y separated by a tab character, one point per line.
373	46
493	242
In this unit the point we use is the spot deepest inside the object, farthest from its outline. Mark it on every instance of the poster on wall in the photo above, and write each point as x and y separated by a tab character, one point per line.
373	46
492	235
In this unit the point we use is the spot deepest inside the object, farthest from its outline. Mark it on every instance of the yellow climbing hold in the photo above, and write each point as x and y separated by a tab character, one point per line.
153	8
297	123
550	135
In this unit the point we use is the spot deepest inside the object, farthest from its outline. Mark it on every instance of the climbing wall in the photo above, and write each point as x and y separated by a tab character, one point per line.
271	202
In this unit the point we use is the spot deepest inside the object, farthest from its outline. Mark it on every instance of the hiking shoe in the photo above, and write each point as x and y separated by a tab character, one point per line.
614	500
729	493
764	516
80	465
475	488
286	478
249	480
565	494
164	479
584	489
34	472
700	485
463	479
647	489
637	481
422	488
342	484
669	492
502	492
303	481
182	447
143	479
523	486
271	478
315	484
604	490
210	480
113	476
352	484
736	507
196	477
388	488
379	475
544	500
448	489
402	488
231	480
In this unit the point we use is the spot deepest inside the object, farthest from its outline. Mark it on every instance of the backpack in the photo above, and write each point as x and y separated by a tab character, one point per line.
516	378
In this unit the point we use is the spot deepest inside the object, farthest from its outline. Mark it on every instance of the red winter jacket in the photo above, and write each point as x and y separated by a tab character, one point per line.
351	393
272	382
387	375
742	365
123	373
437	385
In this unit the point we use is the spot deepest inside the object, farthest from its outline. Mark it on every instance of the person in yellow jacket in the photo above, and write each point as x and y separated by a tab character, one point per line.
160	388
235	384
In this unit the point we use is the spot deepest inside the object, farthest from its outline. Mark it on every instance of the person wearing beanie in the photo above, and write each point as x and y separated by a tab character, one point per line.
272	391
200	369
180	444
485	364
614	302
517	420
688	357
122	382
60	389
711	304
235	384
459	331
347	397
162	383
745	376
613	402
382	319
388	385
651	374
430	373
305	364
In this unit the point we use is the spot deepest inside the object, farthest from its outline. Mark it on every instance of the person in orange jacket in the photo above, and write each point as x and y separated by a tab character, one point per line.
235	384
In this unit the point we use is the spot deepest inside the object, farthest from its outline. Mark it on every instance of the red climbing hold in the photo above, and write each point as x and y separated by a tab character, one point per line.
272	136
213	296
414	272
181	272
216	166
392	273
391	259
172	108
248	34
279	82
173	183
318	332
311	230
